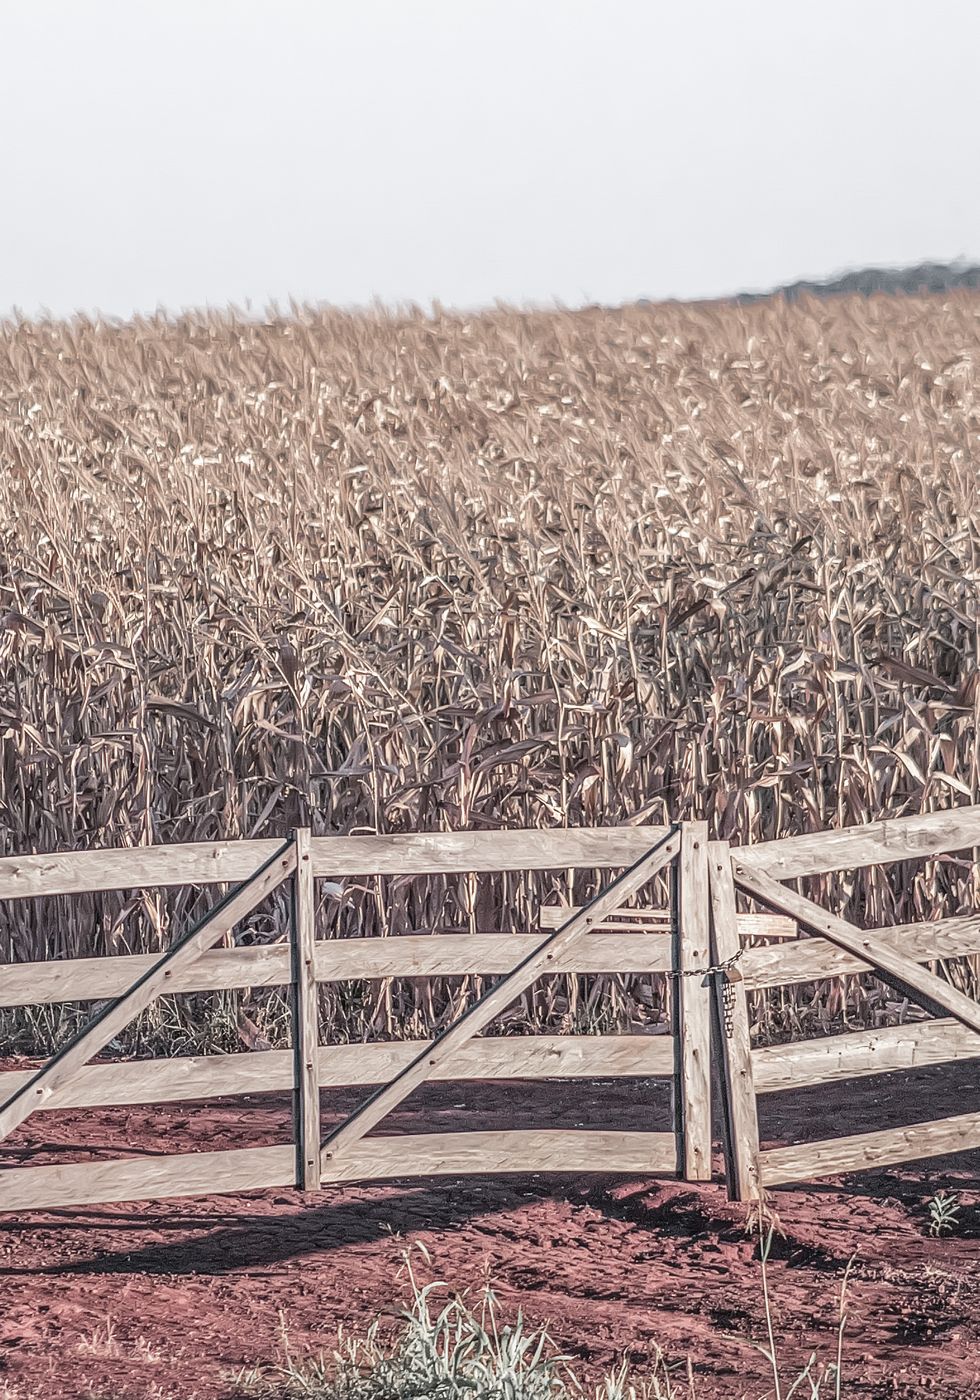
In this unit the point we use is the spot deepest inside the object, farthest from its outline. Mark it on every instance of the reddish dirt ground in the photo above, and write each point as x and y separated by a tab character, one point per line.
171	1299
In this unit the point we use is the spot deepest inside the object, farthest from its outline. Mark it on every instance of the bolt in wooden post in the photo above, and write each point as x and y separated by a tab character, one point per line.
732	1026
306	1038
693	1005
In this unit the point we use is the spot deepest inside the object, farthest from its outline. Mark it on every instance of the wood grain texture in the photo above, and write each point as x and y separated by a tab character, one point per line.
432	955
593	848
810	959
523	1150
194	863
896	968
190	1077
336	960
256	1168
864	1151
133	867
493	1002
620	921
212	862
694	999
751	926
146	1178
100	979
878	843
305	1027
176	1079
107	1023
659	920
857	1053
735	1059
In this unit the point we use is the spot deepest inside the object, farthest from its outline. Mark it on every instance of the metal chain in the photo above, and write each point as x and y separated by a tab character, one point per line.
728	1008
706	971
727	989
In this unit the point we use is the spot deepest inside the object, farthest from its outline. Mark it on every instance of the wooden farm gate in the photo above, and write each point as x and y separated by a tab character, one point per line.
616	933
837	948
710	953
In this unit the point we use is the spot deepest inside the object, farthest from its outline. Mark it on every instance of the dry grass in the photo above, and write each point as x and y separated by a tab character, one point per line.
395	573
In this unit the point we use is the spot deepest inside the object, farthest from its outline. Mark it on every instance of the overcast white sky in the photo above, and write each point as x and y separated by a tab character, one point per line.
182	153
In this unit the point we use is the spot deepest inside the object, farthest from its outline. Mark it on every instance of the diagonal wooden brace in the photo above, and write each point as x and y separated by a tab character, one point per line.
894	968
114	1017
439	1050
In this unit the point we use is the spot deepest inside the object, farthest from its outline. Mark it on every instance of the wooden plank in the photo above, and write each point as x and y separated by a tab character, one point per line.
210	862
336	960
827	1059
811	959
524	1150
735	1058
864	1151
749	925
175	1079
458	955
133	867
146	1178
108	1022
256	1168
898	969
524	975
99	979
694	1000
878	843
620	921
306	1037
184	1078
593	848
765	926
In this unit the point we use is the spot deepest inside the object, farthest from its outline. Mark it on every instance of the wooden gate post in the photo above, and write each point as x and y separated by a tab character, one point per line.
732	1028
692	1004
306	1037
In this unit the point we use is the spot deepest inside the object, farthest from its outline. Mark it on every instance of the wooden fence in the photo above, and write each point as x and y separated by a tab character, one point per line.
837	948
685	938
194	964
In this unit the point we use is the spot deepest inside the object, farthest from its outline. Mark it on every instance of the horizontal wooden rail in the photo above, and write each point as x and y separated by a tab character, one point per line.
878	843
858	1053
188	1077
432	955
810	959
379	1158
517	1150
87	872
208	862
659	920
621	921
146	1178
337	960
865	1151
97	979
458	955
462	852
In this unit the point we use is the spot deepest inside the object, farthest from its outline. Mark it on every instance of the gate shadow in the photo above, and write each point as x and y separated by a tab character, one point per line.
246	1241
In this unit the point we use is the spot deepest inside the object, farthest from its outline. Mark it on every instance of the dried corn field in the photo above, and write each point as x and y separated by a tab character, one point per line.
396	572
